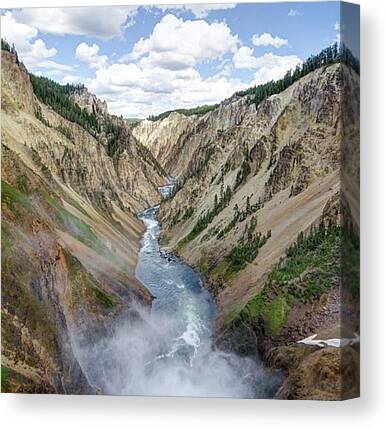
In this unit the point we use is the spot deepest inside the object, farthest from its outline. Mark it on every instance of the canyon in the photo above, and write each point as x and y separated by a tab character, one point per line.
265	208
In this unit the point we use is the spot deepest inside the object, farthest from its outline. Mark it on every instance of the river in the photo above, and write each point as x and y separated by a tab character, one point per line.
169	351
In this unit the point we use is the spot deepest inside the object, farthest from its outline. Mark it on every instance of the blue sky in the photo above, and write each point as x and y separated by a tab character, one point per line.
144	60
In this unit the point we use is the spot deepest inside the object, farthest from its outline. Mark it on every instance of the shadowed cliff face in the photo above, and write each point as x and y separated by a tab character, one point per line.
70	236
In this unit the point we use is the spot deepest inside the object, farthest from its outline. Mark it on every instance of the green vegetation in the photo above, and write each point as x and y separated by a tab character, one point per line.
4	375
5	46
351	261
132	121
65	131
22	183
104	297
203	265
331	55
177	218
75	226
188	213
243	173
57	97
39	115
274	312
200	111
311	267
116	138
210	233
240	216
205	219
12	197
247	249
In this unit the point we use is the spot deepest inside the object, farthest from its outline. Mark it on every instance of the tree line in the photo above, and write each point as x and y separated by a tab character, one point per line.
220	202
330	55
240	216
200	110
57	96
247	248
5	46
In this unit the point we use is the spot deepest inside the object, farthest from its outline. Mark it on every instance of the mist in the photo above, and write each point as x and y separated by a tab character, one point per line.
169	349
142	356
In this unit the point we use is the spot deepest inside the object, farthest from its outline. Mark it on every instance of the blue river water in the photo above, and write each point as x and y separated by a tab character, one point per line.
169	350
188	355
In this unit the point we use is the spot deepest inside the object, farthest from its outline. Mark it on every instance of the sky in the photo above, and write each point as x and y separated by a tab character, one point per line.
146	60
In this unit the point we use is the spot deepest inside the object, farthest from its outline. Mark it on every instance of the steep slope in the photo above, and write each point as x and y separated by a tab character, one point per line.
280	163
266	208
162	136
70	236
253	181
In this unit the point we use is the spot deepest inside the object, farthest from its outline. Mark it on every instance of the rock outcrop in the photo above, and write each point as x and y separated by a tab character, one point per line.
266	208
70	235
89	102
252	181
162	136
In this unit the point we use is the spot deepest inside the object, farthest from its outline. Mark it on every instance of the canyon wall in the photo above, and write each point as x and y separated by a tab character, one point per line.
70	235
266	209
263	190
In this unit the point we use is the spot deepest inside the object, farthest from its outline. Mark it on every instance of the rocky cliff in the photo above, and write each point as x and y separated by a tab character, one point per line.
260	191
266	208
89	102
161	137
70	234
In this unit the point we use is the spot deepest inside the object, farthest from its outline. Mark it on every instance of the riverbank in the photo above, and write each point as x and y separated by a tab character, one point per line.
187	357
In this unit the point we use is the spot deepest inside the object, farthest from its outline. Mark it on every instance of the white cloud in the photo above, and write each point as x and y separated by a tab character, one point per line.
176	44
273	67
135	102
244	58
89	54
268	67
34	53
159	74
102	22
199	10
135	91
294	12
162	77
266	39
16	32
155	80
72	79
53	65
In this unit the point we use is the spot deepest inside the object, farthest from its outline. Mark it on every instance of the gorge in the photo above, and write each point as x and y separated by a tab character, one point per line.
102	252
168	351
